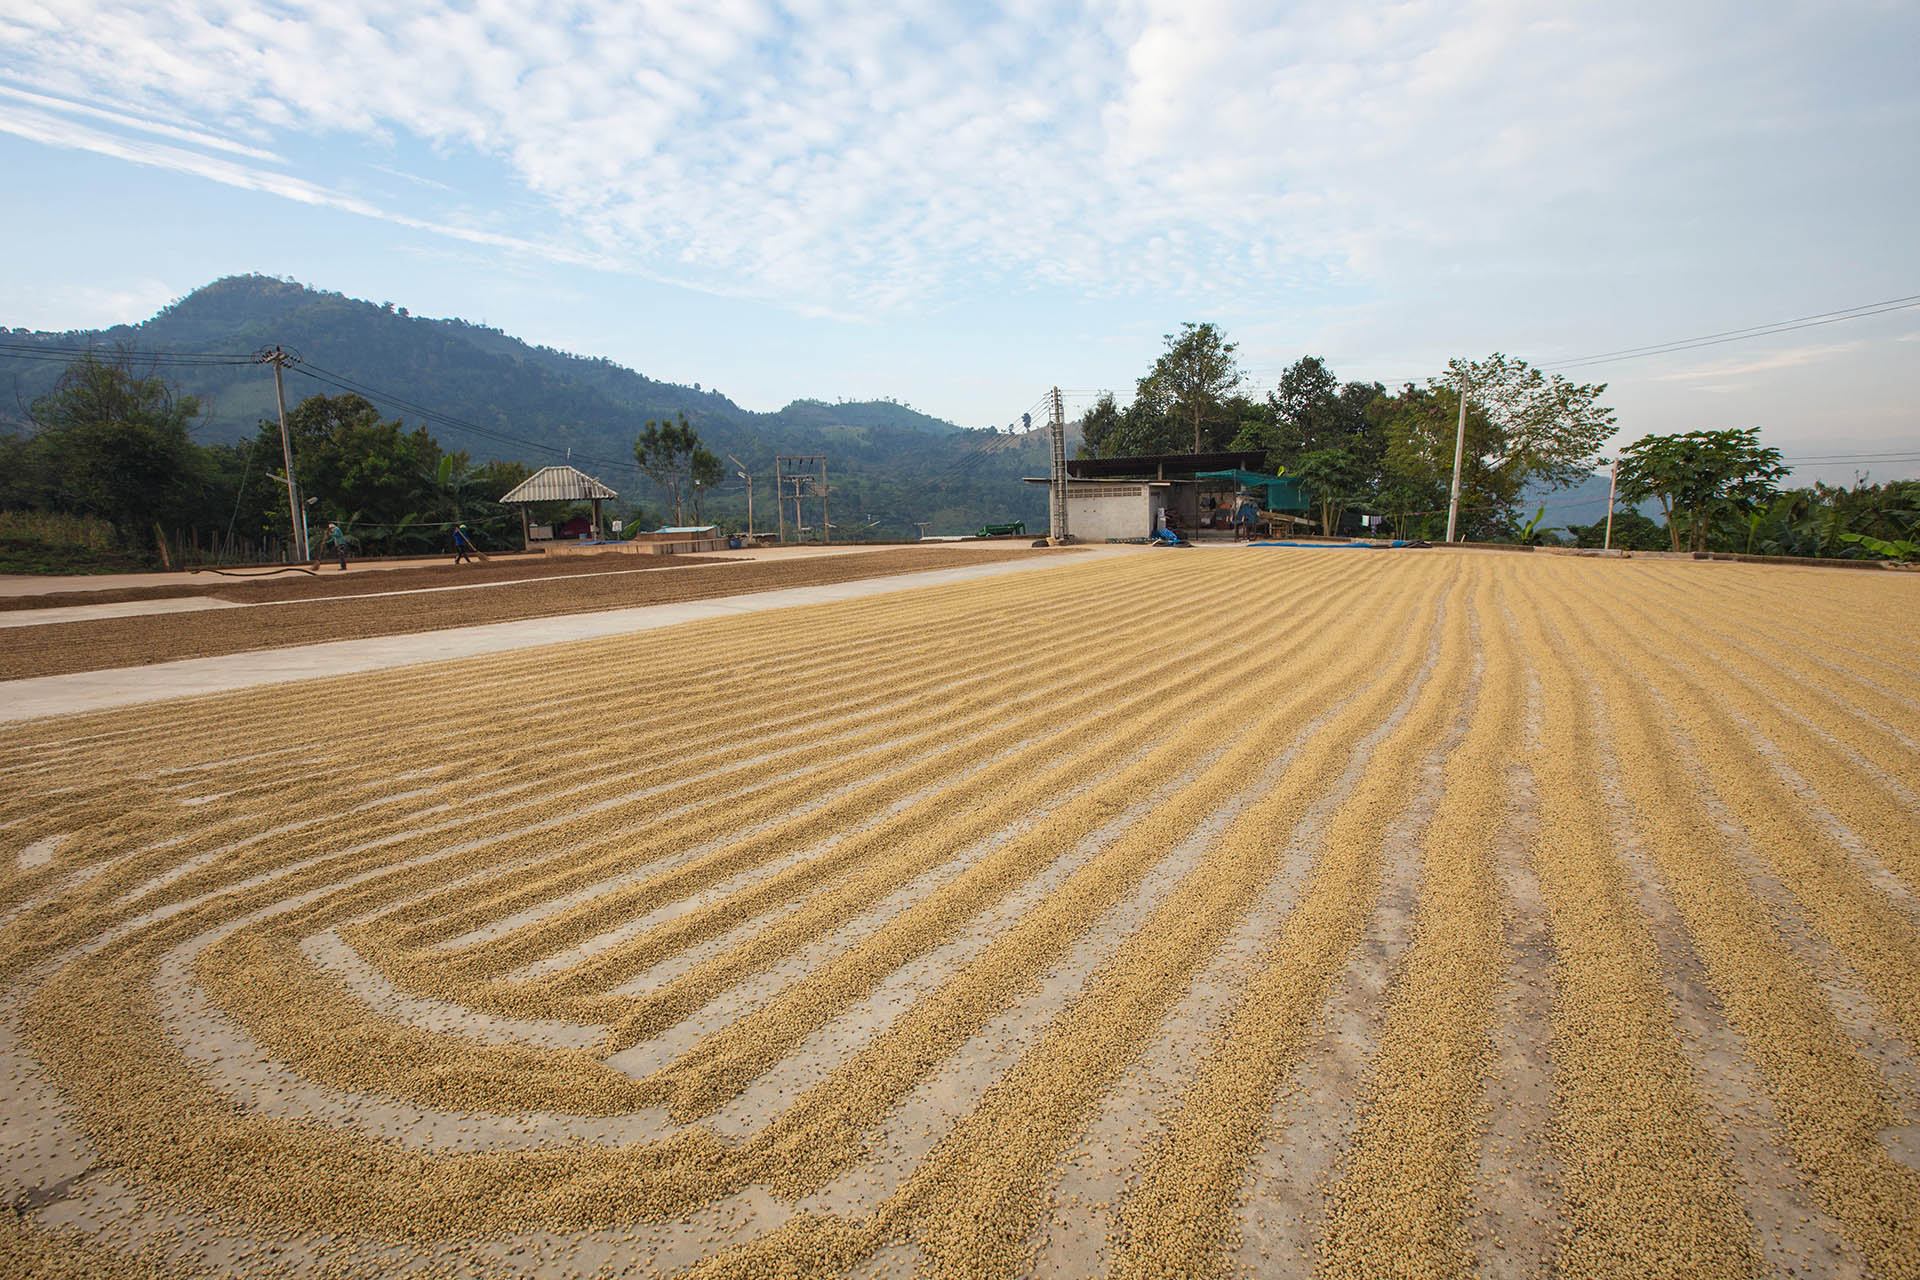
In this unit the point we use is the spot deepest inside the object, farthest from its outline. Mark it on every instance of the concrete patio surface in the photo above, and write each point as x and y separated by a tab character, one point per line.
125	686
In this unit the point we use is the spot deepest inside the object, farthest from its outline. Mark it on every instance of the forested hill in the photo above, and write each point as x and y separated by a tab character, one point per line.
498	397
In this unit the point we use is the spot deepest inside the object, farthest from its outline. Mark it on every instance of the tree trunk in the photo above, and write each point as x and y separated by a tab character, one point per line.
1673	532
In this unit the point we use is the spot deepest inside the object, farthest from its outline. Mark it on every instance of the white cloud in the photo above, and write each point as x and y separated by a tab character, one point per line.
36	306
1789	359
196	137
40	127
861	159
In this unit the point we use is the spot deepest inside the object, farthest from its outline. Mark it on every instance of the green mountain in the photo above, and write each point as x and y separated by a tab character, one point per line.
498	397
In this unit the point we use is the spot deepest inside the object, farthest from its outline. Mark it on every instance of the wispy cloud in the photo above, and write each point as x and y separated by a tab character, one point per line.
41	127
1789	359
858	159
195	137
402	174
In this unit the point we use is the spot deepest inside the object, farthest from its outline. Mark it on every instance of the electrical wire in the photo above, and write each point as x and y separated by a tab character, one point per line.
437	417
1860	312
16	350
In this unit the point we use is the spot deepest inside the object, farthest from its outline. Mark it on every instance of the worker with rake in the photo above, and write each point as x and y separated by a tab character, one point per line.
463	548
336	540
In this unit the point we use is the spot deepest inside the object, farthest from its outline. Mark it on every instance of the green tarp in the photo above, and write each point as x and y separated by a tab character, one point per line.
1283	492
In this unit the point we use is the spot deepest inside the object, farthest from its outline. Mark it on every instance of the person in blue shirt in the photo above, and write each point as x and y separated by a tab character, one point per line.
1243	517
462	545
336	540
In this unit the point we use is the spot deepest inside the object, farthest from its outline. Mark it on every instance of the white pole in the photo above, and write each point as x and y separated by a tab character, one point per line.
1459	448
746	475
1613	486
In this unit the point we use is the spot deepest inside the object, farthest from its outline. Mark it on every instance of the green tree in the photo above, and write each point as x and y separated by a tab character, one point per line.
1336	480
1099	428
350	458
1631	532
1193	376
666	452
1522	427
1543	428
1696	474
112	443
1419	427
1309	411
704	471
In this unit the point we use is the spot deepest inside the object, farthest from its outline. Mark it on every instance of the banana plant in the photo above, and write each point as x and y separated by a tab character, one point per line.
1892	549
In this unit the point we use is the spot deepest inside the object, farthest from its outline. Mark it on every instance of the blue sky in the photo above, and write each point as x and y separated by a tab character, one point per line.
959	205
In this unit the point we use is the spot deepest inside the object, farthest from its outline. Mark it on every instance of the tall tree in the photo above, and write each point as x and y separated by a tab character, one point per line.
112	442
1543	428
354	461
1099	428
1522	427
1310	411
667	452
1306	410
1194	374
1335	480
1419	428
704	471
1697	473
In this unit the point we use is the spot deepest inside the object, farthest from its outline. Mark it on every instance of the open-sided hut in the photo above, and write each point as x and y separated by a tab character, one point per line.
559	484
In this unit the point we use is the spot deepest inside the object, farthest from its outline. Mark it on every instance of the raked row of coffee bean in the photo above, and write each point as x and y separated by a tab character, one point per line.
847	939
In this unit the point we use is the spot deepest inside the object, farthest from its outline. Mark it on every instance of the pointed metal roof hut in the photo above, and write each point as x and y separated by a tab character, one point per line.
559	484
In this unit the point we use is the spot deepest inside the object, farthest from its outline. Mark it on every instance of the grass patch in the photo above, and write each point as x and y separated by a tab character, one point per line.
49	542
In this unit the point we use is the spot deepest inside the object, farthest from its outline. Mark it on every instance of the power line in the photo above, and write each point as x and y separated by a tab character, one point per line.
16	350
1887	455
1863	311
1738	335
439	418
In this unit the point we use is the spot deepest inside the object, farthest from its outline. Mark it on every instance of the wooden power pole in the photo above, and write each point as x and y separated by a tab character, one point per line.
278	356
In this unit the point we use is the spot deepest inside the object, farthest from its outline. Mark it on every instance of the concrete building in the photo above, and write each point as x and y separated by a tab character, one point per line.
1125	499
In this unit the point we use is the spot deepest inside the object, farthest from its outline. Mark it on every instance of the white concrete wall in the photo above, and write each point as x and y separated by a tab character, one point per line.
1096	512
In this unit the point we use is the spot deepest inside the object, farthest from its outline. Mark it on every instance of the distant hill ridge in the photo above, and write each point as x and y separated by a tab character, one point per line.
500	397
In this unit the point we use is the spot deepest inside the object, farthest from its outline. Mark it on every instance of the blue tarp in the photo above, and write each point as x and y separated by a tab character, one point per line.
1335	546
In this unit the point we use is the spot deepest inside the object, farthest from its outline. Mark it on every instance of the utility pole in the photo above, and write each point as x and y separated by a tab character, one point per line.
746	475
798	471
1613	487
1058	533
278	356
1459	448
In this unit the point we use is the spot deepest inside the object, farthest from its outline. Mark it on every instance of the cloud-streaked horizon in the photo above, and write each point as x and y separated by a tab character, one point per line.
1388	186
843	158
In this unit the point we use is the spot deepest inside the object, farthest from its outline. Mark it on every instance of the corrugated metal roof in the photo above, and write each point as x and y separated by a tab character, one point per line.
558	484
1162	465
